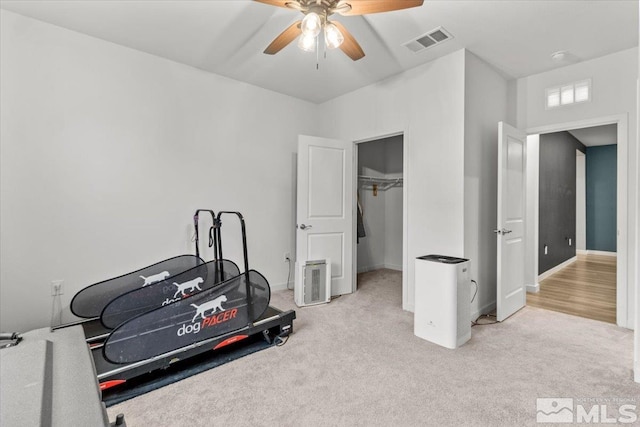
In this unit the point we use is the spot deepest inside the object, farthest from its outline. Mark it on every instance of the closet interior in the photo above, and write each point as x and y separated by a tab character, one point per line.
380	204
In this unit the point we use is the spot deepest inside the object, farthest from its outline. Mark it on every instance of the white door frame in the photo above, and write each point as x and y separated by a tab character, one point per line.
405	211
622	280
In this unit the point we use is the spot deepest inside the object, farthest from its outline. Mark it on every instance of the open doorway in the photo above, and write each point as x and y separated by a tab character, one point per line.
379	258
577	222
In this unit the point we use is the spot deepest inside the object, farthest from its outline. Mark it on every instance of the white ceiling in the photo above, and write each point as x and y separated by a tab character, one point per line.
597	135
227	37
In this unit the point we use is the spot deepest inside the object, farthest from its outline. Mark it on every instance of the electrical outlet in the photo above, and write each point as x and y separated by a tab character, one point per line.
56	288
287	256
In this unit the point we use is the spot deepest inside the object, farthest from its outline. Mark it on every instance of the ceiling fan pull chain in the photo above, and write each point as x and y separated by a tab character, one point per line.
324	34
317	53
324	44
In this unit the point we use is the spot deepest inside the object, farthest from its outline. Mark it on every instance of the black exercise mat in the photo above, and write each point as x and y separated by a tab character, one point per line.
184	369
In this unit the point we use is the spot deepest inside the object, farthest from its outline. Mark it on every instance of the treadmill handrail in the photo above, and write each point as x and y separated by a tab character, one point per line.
244	251
196	219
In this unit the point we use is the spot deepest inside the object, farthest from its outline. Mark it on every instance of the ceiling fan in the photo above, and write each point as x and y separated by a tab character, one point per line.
316	19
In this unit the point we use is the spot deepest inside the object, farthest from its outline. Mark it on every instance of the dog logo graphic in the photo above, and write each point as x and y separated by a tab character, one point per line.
554	410
155	278
215	305
192	285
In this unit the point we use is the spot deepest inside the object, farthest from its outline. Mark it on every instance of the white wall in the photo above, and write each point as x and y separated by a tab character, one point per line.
485	105
614	78
427	104
581	201
636	352
107	152
393	205
532	235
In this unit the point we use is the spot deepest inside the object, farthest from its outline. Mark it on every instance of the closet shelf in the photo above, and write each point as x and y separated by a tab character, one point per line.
381	183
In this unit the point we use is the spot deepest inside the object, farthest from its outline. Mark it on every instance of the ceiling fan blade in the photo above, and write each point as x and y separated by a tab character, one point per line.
349	46
286	37
278	3
363	7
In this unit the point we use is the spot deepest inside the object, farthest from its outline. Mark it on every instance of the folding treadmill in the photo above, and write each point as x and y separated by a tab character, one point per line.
209	306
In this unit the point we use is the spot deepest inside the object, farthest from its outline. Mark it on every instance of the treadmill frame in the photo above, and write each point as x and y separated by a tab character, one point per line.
272	324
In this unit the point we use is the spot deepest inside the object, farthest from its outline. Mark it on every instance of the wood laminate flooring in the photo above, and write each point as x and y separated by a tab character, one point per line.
585	288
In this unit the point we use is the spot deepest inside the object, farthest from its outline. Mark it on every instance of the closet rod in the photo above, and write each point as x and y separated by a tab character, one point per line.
379	180
379	183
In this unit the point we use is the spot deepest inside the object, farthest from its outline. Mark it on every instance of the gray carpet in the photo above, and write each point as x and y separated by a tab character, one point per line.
356	362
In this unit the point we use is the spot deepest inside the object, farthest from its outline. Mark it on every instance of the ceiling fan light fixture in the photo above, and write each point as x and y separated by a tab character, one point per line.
311	24
332	36
316	15
293	5
307	42
341	8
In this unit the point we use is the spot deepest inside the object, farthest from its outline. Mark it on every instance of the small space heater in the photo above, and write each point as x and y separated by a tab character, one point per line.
313	283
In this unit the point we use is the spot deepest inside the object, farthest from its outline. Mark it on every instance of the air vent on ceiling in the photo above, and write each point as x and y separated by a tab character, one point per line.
430	39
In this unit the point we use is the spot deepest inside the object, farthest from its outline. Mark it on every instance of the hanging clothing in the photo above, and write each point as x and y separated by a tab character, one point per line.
361	231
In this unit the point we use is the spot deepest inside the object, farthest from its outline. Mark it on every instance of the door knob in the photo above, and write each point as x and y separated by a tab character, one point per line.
304	227
503	231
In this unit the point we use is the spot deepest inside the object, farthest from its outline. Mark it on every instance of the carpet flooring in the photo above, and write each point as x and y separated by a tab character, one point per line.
356	362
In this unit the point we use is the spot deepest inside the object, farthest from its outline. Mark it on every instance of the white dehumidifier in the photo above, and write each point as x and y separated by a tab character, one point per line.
442	300
313	282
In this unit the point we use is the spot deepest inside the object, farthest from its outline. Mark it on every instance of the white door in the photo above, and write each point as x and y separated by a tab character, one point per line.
324	207
510	230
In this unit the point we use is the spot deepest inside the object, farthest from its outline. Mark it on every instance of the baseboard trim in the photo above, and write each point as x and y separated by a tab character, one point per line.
379	267
581	251
368	268
556	268
533	289
485	309
603	253
280	287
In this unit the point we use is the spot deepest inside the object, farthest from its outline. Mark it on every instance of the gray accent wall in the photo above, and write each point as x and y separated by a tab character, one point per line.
601	197
557	204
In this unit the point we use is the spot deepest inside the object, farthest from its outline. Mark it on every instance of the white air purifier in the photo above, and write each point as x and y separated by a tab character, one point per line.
442	300
313	283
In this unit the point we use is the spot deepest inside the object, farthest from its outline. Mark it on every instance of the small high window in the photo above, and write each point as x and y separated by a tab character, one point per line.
567	94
